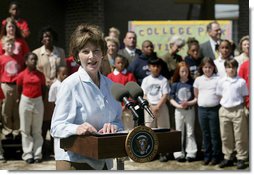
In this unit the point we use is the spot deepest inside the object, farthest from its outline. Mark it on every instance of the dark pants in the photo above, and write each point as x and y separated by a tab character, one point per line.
65	165
209	122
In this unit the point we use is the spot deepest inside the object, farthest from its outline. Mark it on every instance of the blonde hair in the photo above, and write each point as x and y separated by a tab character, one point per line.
114	30
6	39
244	38
113	39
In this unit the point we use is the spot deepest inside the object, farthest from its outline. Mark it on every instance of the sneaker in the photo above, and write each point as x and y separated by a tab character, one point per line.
180	159
206	161
163	158
240	164
29	161
214	162
37	161
226	163
190	159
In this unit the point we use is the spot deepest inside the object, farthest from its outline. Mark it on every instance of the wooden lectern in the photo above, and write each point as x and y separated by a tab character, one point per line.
113	145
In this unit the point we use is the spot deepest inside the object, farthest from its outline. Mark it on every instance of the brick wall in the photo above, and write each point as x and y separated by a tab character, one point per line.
86	11
39	14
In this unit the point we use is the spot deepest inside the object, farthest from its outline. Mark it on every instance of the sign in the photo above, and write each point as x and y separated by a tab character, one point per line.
160	32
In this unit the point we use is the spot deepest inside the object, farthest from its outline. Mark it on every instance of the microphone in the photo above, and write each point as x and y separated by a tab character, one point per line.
121	94
136	93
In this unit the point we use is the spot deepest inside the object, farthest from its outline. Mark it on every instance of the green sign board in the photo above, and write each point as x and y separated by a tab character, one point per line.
160	32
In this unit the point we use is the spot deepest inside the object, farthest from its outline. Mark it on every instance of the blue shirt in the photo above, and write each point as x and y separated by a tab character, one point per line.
79	100
182	91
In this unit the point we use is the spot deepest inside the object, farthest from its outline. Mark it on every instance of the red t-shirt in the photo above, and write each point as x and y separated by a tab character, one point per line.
10	66
32	82
71	64
244	72
22	25
122	78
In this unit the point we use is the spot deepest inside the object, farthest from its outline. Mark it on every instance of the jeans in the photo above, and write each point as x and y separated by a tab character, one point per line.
209	123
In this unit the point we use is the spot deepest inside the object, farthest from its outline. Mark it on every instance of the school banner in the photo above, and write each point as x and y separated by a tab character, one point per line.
160	32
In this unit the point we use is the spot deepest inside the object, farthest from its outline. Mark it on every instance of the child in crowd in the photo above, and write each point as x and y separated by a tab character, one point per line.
208	110
122	76
10	66
14	11
193	57
156	90
62	73
225	54
139	66
182	98
1	148
10	30
233	120
71	65
31	88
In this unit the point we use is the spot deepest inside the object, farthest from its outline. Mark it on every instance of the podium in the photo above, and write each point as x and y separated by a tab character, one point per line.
113	145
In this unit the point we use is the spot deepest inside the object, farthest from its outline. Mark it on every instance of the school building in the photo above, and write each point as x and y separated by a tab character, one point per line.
65	15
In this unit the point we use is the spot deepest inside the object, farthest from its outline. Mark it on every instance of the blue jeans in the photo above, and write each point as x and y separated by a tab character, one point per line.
209	123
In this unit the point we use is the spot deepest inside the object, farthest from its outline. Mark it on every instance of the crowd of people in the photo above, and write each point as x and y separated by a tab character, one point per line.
43	91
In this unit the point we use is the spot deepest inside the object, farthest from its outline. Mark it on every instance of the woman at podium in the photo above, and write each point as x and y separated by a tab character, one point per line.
84	103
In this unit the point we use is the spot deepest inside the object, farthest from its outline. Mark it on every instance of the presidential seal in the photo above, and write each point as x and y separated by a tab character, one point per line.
141	144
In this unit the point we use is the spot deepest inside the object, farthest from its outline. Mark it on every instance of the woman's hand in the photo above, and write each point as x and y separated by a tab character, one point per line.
108	128
85	129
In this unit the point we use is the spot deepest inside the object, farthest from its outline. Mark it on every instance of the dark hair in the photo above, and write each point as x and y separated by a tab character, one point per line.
28	54
59	67
176	76
154	61
125	60
83	34
147	41
131	32
204	61
209	26
227	41
14	3
192	41
50	30
231	63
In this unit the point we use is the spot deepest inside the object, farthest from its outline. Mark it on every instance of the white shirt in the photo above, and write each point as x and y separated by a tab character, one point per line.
154	88
53	90
79	100
219	63
232	91
207	90
213	44
131	52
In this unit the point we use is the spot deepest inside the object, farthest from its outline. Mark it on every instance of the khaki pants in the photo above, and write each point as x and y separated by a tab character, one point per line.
31	116
234	132
127	119
161	121
10	113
